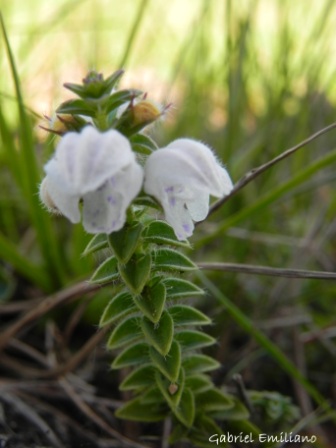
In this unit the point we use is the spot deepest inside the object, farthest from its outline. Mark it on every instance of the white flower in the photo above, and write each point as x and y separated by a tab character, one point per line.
181	177
97	168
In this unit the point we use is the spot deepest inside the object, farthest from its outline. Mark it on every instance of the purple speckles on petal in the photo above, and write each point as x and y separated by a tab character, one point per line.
113	182
172	201
171	198
98	228
111	200
186	227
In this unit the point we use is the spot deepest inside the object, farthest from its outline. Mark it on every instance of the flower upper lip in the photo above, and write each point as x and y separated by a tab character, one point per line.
181	177
84	161
99	168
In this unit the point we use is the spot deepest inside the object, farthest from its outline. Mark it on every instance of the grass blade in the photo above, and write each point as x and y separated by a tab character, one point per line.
133	33
30	177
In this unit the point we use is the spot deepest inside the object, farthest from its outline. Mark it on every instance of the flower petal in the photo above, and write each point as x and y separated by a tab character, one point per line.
84	161
104	210
181	177
199	206
202	162
179	218
66	204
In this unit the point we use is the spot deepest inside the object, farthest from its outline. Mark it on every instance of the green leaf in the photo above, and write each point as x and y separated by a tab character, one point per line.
172	392
178	288
178	434
94	86
198	383
122	96
143	410
199	363
142	144
214	400
192	339
173	260
187	315
125	241
152	301
146	201
160	334
107	272
203	428
207	425
153	395
186	410
95	89
168	365
78	89
98	242
160	232
134	355
237	412
136	271
127	331
76	107
243	426
142	377
112	80
121	305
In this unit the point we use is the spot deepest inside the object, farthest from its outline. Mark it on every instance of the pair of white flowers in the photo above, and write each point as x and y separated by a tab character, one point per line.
100	169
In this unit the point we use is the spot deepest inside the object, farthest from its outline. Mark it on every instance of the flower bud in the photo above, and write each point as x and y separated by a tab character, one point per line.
60	124
145	112
173	388
138	114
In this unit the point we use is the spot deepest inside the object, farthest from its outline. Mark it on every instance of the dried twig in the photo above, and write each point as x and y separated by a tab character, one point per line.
301	394
300	362
29	351
58	370
266	270
30	414
85	409
65	419
19	306
79	356
323	335
45	306
255	172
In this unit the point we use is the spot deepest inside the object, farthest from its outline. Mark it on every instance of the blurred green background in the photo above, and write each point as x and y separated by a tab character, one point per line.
251	78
